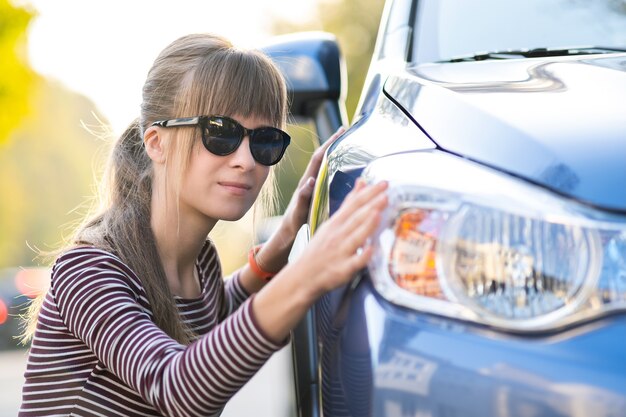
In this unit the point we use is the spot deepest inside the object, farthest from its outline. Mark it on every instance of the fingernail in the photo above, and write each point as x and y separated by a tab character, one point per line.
310	182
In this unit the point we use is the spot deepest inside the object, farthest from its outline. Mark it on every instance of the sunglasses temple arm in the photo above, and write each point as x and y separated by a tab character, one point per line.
184	121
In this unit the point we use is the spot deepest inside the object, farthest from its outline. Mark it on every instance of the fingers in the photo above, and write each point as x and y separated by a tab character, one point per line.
359	184
349	230
316	160
357	251
360	195
364	222
340	247
306	190
360	259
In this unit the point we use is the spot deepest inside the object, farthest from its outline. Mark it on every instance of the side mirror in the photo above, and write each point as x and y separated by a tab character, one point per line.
311	63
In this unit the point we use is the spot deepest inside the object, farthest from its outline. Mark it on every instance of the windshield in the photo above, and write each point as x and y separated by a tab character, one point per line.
448	29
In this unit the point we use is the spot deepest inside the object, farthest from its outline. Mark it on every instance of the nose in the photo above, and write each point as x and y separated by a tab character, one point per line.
242	157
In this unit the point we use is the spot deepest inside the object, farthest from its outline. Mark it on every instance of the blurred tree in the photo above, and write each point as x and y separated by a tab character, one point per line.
355	24
16	77
47	173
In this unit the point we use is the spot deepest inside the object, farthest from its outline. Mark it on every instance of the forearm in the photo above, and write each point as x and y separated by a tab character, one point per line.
216	366
272	257
284	301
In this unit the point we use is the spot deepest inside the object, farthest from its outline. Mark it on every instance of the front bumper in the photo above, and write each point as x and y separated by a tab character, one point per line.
382	360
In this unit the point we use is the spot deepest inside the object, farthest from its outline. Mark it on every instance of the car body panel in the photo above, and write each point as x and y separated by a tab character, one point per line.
387	130
378	358
382	360
534	118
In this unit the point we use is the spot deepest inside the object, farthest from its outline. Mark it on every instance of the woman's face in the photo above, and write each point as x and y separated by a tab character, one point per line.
223	187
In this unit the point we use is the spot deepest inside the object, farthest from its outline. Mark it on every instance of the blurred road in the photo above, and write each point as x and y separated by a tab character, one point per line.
269	393
12	366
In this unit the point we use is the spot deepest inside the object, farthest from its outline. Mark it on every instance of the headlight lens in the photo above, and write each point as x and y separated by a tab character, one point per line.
461	240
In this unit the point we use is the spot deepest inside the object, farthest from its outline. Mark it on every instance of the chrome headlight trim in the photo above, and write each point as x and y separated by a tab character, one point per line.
435	180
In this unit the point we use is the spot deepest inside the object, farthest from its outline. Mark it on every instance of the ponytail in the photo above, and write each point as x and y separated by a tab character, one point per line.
126	227
122	227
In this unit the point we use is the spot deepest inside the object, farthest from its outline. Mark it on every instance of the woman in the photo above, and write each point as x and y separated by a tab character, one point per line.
138	320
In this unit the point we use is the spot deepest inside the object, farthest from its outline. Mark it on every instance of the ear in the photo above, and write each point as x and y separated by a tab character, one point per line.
154	143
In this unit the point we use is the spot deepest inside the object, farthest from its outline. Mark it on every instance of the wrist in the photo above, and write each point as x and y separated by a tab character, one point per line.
274	254
303	286
284	235
259	271
282	303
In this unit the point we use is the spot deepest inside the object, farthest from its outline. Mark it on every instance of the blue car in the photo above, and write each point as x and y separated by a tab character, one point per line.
498	284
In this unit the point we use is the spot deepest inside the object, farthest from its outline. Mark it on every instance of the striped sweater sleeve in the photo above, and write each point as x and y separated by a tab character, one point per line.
235	294
98	303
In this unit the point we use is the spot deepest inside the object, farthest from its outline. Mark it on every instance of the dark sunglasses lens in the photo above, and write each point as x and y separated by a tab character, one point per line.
268	145
221	136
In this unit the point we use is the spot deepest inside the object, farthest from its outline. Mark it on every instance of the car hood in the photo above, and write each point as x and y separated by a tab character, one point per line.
558	122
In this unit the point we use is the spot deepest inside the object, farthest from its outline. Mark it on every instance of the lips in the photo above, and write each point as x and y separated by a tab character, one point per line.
235	185
237	189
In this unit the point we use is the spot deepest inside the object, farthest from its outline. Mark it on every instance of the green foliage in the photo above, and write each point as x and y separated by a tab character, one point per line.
355	24
16	77
46	174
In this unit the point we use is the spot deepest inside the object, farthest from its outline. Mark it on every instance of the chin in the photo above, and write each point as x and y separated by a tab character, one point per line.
231	218
232	215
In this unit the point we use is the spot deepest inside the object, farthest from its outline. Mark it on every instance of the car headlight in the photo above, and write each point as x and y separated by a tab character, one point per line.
462	240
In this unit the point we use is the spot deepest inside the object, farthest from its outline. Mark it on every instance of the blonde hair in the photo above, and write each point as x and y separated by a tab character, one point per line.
198	74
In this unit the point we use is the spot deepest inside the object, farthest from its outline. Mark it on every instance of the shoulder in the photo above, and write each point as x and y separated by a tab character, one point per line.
91	263
85	257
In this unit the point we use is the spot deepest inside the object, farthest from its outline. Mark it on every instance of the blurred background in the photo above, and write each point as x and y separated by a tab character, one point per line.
71	74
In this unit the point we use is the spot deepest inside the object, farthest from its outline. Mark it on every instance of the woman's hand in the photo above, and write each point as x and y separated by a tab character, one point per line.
276	250
339	248
337	251
298	209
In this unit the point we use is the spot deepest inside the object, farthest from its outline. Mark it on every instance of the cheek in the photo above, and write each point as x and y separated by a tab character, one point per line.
262	175
203	164
199	174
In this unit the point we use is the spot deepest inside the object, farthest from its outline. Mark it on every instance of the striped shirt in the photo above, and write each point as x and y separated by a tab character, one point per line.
97	352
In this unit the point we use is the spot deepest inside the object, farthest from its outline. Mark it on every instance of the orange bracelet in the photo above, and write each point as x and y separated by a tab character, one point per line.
265	276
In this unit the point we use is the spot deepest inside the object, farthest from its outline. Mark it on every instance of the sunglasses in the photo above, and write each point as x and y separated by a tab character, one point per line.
222	136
